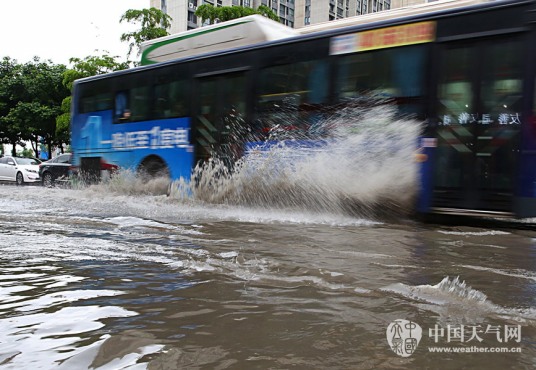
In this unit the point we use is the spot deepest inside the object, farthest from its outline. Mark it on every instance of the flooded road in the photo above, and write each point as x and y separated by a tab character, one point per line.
95	278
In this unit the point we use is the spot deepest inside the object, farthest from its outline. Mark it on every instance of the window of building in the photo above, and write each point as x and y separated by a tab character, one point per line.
192	17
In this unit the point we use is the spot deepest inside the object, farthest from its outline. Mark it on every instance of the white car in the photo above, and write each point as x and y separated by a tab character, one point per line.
19	169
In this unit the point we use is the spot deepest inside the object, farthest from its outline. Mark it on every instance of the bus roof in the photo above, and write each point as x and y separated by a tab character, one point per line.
217	47
390	15
256	29
244	31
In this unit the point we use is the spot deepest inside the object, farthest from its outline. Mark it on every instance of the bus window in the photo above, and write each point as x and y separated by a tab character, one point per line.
289	94
455	90
122	107
396	74
501	91
170	100
132	105
95	101
140	103
220	125
502	81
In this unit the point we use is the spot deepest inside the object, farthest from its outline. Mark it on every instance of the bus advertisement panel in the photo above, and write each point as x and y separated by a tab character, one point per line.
127	145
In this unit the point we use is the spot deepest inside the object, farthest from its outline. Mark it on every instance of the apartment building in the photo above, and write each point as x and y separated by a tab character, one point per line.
293	13
404	3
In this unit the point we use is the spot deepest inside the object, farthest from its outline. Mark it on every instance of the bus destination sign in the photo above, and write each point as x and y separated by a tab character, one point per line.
408	34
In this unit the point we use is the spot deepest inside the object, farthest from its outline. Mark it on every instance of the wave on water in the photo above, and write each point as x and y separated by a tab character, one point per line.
364	166
455	301
474	233
517	273
445	292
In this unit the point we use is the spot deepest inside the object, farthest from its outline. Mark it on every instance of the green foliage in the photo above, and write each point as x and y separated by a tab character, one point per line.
153	24
63	123
92	66
206	12
31	96
26	152
10	90
226	13
267	12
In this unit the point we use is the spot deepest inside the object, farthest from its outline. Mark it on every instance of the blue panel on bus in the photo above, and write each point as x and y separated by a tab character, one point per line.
127	144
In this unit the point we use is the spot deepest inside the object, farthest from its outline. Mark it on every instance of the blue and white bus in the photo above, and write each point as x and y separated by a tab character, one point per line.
466	68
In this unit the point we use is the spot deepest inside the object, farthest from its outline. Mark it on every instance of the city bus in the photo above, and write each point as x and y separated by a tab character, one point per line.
464	68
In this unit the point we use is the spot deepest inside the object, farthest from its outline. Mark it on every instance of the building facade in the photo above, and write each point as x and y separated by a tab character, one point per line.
403	3
293	13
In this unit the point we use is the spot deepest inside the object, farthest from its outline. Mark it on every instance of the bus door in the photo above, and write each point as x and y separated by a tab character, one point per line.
479	121
220	112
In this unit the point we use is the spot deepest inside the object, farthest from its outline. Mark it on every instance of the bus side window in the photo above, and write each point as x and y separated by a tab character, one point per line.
170	100
122	111
393	74
94	101
291	95
139	104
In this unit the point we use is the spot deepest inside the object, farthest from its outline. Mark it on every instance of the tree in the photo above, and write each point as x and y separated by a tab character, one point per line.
10	90
30	96
267	12
87	67
207	12
25	153
92	66
39	104
153	24
226	13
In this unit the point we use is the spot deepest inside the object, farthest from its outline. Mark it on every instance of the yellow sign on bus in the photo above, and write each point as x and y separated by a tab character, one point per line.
408	34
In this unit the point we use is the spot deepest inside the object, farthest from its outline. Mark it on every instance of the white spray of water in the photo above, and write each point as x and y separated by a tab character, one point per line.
127	182
365	166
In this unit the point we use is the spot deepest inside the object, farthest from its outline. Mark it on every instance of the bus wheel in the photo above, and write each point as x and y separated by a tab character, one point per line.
153	167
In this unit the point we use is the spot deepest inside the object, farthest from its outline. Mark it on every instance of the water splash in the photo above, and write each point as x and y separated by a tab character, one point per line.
460	289
363	165
455	301
447	292
126	182
357	162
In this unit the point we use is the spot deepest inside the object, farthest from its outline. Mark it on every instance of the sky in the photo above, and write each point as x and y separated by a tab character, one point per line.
61	29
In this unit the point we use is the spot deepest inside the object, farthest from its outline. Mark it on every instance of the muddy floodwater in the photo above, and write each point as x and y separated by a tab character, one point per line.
107	279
